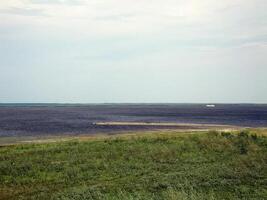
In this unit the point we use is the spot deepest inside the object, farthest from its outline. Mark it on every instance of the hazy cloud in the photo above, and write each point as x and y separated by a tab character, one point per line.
66	2
177	50
23	11
119	17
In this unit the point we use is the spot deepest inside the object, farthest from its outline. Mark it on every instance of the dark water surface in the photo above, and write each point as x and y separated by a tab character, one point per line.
42	119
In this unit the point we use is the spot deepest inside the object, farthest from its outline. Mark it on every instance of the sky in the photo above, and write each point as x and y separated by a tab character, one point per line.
133	51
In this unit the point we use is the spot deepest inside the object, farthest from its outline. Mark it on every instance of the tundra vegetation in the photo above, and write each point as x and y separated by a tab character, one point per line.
210	165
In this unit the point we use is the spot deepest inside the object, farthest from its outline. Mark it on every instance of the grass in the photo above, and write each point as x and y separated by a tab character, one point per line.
209	165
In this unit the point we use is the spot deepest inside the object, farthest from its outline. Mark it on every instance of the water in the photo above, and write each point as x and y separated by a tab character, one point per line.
42	119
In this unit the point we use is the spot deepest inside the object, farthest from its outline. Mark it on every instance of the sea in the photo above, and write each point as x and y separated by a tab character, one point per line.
62	119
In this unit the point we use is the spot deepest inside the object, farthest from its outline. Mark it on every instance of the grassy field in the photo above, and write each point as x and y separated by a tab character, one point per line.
158	166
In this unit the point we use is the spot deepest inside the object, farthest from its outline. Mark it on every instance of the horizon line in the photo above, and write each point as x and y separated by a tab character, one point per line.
101	103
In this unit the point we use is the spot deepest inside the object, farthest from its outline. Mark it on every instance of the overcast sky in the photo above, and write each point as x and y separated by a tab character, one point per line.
99	51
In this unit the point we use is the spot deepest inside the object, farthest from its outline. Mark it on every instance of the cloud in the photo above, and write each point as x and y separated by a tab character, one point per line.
62	2
188	44
23	11
179	22
115	17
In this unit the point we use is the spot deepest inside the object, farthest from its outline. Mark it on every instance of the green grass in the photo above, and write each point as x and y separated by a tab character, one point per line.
156	166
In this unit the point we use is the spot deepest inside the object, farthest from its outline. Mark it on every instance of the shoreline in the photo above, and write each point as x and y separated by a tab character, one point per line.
164	124
165	128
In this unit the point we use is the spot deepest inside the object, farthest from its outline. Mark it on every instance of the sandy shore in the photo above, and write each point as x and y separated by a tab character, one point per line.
182	126
152	128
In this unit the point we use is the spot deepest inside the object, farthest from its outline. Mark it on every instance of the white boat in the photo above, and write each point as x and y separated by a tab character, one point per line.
210	105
